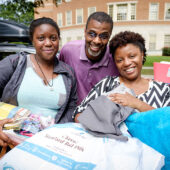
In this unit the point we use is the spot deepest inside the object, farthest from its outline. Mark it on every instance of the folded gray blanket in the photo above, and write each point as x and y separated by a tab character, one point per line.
102	118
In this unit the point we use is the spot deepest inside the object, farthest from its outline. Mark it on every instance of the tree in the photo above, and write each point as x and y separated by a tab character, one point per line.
21	11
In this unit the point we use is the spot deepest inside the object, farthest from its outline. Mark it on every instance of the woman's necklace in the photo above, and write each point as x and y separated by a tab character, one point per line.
45	79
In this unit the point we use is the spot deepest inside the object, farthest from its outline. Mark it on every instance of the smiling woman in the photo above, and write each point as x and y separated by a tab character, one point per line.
39	82
129	53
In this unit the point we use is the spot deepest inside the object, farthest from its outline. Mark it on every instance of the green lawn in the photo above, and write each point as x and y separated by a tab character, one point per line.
149	63
147	71
151	59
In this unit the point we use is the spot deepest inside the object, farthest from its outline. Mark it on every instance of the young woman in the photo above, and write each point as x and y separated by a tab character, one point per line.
40	82
129	52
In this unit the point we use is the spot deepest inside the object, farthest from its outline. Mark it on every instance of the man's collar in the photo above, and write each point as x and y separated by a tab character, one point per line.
83	53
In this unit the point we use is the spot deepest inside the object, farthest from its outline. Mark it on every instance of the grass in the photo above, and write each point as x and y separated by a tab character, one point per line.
147	71
149	63
151	59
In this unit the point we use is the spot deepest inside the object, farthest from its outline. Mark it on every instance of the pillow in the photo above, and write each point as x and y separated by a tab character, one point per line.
152	128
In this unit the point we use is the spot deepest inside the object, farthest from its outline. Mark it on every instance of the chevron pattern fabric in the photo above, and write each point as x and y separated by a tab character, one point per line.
158	94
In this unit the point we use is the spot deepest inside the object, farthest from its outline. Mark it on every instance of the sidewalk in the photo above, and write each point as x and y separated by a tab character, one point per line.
147	67
148	76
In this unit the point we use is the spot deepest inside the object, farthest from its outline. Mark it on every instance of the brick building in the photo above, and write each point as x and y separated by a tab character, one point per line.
151	18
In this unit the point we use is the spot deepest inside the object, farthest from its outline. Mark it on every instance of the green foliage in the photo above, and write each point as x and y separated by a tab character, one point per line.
17	10
21	11
166	51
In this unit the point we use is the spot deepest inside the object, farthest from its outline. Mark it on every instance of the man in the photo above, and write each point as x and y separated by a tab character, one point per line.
90	58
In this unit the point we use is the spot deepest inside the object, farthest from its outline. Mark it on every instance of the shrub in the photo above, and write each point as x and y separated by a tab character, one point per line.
166	51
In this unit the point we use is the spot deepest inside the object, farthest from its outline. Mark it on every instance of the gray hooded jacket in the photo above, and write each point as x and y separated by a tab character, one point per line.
12	70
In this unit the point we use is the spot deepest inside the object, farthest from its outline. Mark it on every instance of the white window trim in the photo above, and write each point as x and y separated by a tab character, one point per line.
109	11
165	12
150	13
164	40
68	39
61	19
131	13
76	16
66	18
152	42
124	2
58	3
89	10
115	10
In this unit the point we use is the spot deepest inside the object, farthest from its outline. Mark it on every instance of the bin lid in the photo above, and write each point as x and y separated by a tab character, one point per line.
11	31
11	28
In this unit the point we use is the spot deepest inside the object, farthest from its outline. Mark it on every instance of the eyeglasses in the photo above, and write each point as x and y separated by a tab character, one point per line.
103	36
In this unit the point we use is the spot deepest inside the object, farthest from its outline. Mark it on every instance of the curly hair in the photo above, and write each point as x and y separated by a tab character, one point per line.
127	37
44	20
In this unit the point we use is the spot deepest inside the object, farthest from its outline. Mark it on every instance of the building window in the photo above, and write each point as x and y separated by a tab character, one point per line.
167	40
68	18
167	10
111	10
79	16
68	39
152	41
60	44
59	19
79	38
122	12
67	0
59	1
153	11
91	10
133	12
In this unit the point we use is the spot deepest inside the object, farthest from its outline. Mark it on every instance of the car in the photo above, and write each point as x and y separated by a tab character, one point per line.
10	48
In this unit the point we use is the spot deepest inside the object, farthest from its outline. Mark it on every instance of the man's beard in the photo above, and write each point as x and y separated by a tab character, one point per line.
94	54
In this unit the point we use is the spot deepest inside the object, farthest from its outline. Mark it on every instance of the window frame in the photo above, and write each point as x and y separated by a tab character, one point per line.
111	14
168	41
70	18
112	9
59	2
79	16
131	11
152	44
89	10
68	39
122	17
58	19
151	18
167	6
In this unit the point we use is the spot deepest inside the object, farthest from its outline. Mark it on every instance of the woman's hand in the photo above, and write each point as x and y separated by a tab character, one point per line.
130	101
75	119
4	139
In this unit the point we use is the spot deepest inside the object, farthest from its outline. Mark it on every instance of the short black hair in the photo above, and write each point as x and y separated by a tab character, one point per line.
127	37
44	20
100	17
